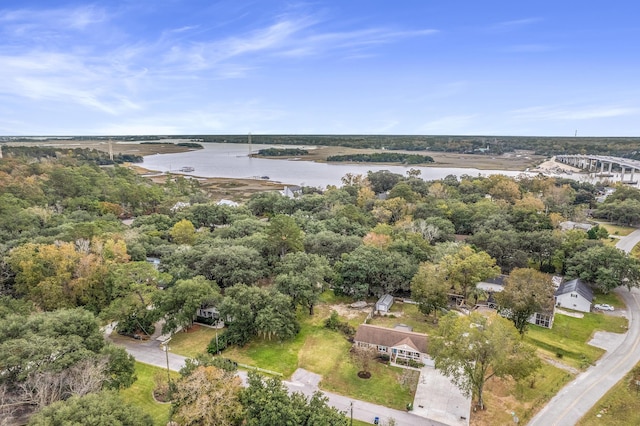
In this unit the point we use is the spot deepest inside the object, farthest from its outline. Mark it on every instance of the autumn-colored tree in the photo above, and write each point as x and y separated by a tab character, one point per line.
183	232
208	397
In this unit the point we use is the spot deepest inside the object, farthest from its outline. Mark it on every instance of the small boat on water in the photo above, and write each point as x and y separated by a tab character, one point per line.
187	169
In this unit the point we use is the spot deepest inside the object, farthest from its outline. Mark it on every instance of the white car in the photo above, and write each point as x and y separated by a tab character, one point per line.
604	307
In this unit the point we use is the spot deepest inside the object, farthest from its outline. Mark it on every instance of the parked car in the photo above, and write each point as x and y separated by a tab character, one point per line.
604	307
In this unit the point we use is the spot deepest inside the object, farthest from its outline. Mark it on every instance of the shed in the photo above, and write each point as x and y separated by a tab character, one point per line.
384	304
575	295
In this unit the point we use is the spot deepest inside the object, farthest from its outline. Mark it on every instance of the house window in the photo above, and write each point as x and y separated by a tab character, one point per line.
543	320
382	349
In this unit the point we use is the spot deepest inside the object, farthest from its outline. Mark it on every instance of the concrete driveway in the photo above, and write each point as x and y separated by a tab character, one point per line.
439	399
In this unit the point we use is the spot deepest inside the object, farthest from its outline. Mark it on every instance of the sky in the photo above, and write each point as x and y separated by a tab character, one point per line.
432	67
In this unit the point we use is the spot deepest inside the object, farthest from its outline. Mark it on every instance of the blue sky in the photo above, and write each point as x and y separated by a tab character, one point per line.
119	67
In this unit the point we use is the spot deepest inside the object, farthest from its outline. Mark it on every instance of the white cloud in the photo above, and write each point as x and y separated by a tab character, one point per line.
514	24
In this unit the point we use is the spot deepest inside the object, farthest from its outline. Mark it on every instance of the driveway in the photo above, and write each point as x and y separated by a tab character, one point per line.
439	399
151	352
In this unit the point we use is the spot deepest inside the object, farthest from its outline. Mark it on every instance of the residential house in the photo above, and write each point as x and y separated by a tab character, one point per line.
544	318
292	191
398	344
574	294
569	225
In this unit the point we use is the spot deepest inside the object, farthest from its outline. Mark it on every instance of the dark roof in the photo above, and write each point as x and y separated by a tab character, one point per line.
499	280
389	337
578	286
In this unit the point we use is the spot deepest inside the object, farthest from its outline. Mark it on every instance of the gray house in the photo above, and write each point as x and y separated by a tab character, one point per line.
574	294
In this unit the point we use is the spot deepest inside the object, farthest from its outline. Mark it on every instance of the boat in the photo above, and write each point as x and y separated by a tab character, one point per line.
187	169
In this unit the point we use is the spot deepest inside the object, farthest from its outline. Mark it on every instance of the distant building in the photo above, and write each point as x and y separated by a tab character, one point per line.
569	225
292	191
229	203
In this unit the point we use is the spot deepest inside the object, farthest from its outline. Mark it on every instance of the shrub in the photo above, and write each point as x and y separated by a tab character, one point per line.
218	344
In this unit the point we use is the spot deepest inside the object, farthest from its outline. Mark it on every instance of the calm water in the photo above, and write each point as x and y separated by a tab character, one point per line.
233	161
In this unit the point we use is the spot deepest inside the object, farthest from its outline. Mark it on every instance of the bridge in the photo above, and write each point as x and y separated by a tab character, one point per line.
597	164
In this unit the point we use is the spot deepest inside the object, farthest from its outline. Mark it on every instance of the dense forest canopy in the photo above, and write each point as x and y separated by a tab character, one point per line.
75	238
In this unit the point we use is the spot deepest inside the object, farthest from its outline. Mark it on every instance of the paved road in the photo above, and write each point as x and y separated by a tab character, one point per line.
628	242
150	352
577	397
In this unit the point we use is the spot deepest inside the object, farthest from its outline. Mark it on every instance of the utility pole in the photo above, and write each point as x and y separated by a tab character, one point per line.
166	352
351	413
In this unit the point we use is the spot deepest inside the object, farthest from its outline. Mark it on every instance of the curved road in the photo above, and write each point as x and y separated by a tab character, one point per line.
577	397
151	352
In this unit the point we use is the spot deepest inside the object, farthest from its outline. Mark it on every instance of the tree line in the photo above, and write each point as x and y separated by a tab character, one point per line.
386	157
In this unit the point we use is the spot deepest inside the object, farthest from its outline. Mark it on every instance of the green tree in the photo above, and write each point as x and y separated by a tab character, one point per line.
526	292
268	403
370	270
471	349
252	311
180	302
464	269
207	396
605	267
285	235
230	265
429	289
97	409
303	277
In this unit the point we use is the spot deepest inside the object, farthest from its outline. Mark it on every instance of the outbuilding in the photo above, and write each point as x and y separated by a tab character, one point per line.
383	305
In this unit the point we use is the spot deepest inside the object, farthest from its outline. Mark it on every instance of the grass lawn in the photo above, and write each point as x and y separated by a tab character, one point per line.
619	406
616	229
193	342
406	313
610	299
382	388
140	393
568	339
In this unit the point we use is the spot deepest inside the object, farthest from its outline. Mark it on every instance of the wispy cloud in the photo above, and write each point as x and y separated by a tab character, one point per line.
513	24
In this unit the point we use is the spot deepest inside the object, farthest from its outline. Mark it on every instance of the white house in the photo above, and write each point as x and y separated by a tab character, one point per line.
292	191
574	295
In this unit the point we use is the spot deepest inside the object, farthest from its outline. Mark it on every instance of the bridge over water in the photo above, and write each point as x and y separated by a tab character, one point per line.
604	165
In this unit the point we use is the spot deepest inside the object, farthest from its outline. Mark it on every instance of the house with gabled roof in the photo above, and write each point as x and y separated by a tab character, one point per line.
574	294
399	344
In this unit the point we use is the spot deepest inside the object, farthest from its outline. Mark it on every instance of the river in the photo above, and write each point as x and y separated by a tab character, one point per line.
233	161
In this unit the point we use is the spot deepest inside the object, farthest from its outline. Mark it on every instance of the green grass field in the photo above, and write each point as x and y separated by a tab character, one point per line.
620	406
568	339
140	394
